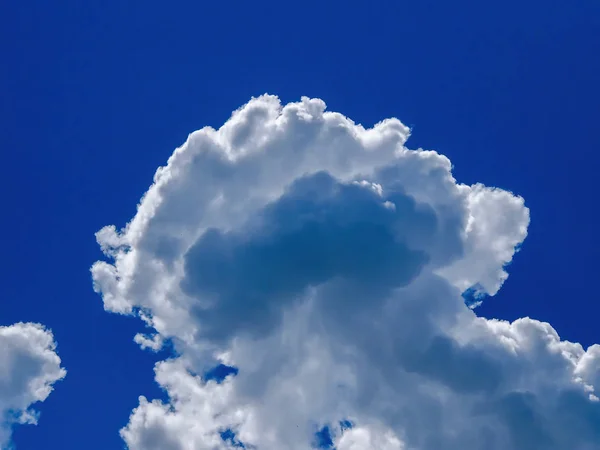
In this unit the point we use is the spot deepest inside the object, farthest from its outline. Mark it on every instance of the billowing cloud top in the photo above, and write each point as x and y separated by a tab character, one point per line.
319	266
29	366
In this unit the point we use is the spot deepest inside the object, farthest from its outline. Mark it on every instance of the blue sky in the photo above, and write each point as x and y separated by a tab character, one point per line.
96	95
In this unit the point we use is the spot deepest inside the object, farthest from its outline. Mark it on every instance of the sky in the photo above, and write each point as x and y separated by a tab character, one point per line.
97	95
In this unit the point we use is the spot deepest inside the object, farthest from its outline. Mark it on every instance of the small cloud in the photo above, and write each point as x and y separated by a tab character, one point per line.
149	342
29	367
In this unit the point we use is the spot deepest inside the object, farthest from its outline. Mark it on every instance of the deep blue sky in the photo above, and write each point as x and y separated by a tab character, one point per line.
96	95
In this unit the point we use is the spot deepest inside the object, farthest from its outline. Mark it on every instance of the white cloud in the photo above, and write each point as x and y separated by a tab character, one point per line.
326	262
153	342
29	366
362	438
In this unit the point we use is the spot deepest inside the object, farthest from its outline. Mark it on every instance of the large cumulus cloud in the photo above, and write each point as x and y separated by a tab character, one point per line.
29	366
326	262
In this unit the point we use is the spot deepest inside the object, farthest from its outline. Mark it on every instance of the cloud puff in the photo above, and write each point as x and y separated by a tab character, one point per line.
29	366
323	263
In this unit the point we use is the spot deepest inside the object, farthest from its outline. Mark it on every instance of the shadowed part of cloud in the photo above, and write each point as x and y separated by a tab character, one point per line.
320	230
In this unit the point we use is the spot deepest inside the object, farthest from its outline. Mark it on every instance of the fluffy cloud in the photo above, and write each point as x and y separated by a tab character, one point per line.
29	366
326	262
